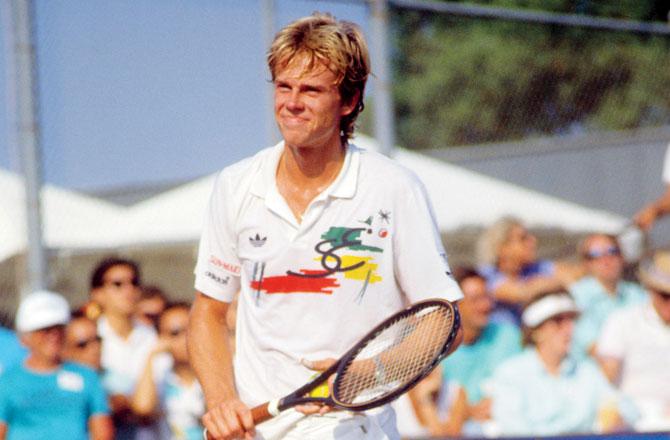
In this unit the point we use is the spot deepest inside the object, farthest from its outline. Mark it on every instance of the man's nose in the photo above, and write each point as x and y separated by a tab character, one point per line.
294	101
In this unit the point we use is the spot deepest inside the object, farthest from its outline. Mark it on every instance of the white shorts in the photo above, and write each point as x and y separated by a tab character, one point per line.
379	424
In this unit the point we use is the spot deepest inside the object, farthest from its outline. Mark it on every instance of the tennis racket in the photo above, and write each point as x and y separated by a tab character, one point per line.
384	364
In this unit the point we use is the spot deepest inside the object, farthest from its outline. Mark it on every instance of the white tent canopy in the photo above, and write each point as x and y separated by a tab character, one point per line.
174	216
460	198
70	219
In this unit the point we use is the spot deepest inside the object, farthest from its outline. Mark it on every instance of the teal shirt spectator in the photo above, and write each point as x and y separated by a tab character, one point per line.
54	406
527	400
471	365
11	350
595	305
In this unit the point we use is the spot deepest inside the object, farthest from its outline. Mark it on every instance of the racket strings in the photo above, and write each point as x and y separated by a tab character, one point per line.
395	356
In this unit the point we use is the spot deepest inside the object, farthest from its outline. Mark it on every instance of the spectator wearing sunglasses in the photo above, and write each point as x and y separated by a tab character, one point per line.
151	304
126	343
82	343
543	390
174	394
634	346
44	397
602	291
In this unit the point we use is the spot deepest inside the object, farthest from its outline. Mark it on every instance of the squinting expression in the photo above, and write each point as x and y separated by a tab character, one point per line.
307	105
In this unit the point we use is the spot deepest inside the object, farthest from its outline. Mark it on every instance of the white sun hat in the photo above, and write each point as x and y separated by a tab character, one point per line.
42	309
548	307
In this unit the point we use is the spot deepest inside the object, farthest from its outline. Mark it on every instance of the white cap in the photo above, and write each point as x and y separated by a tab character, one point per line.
548	307
40	310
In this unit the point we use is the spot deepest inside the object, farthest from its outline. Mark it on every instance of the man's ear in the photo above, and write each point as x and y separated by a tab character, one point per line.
349	107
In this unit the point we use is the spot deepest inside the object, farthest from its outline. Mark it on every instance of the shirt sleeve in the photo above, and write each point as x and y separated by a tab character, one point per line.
98	398
421	265
217	272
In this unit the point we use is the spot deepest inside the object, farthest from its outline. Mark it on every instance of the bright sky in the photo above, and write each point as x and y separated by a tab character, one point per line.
139	91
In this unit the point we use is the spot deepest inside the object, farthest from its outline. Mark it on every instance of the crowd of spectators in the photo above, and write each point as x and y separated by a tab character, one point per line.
549	347
552	347
115	367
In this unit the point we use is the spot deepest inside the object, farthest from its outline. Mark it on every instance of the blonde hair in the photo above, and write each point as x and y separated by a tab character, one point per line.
339	45
489	243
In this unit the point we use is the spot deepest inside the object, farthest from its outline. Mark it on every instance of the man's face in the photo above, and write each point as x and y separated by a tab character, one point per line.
45	344
119	292
476	305
520	245
555	334
172	328
149	310
603	258
307	104
82	343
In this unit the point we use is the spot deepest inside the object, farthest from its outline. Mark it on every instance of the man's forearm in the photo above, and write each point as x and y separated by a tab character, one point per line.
662	204
209	350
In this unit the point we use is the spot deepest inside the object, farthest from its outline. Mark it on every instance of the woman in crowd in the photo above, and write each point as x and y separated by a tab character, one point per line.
543	391
514	275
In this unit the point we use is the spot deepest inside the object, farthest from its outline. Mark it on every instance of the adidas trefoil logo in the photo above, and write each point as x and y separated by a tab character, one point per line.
257	241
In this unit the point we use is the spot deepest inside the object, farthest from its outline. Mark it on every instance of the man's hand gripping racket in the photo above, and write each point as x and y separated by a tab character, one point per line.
384	364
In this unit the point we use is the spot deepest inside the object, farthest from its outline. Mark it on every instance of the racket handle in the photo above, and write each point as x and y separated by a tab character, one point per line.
265	411
260	413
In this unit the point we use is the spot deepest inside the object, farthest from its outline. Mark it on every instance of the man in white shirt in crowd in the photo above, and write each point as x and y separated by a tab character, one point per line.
602	291
126	343
634	347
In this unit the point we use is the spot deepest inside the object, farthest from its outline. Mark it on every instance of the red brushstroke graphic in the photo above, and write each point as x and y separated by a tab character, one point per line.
294	284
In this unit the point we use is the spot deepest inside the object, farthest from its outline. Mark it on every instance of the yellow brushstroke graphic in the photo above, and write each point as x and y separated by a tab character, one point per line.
360	273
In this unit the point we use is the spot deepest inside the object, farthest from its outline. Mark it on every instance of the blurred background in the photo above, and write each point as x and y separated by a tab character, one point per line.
554	111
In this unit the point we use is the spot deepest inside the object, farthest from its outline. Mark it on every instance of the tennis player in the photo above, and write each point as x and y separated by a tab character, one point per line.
322	240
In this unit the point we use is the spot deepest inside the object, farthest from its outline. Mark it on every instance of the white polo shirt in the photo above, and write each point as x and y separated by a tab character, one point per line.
366	246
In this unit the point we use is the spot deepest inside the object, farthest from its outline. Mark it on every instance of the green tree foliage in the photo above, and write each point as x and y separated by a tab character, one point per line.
466	80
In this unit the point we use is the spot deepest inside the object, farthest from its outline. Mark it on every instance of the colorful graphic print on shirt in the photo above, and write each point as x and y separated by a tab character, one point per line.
342	253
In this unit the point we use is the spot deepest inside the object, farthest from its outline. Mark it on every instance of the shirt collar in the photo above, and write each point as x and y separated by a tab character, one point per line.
343	187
